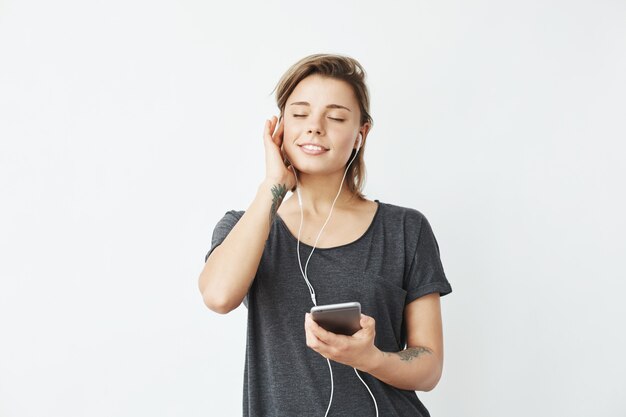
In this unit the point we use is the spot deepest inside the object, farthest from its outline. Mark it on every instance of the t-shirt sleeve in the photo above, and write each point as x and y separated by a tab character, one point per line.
222	229
426	274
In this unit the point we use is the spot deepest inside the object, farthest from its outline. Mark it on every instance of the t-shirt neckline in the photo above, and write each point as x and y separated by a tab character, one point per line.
357	240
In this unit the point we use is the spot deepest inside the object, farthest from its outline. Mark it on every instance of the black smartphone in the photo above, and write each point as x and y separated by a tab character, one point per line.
343	318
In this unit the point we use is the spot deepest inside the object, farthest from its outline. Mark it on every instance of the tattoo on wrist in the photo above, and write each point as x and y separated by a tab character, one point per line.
278	193
412	353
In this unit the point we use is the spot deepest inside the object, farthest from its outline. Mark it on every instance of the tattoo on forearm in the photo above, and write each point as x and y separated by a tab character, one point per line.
278	193
412	353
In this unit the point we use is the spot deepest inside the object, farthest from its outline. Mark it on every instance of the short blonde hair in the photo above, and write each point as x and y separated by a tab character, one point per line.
342	68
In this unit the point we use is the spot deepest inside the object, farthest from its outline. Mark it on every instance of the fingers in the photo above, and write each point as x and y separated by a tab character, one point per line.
321	333
368	328
277	137
329	345
367	322
355	350
266	131
310	327
274	133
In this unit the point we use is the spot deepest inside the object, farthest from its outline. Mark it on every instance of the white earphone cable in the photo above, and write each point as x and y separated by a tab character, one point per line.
368	390
332	388
306	279
304	272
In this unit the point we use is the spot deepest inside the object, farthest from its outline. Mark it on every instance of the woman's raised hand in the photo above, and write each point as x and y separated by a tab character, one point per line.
275	168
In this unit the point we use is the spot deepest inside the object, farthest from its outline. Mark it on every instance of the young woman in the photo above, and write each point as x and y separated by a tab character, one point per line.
328	244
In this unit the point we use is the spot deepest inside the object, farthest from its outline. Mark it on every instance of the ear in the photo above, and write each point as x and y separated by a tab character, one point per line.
363	131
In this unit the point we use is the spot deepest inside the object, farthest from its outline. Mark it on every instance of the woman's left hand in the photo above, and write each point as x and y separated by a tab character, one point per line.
357	351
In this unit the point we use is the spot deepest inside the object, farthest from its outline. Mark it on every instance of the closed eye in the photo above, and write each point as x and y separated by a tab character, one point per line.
331	118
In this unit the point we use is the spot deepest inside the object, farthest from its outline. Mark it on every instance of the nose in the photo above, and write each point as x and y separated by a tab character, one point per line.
315	126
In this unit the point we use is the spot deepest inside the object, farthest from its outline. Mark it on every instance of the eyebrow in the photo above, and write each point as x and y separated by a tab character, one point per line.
330	106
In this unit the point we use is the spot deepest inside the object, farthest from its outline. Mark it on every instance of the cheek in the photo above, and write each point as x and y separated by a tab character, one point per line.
290	134
348	141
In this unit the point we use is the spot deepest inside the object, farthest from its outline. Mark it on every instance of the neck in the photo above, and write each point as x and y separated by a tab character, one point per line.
318	193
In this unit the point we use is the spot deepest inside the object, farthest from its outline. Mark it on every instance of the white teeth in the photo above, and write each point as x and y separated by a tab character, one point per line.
313	147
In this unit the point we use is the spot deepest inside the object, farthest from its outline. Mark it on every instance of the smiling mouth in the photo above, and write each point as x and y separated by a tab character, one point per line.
314	148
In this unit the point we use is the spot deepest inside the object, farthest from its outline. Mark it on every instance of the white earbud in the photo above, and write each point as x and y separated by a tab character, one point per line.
358	145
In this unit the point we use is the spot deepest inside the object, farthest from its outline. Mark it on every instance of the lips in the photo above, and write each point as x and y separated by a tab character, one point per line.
313	149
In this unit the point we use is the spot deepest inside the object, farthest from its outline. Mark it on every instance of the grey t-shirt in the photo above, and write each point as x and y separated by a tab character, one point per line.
394	262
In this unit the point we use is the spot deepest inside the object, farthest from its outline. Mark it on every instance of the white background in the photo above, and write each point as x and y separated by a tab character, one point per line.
128	128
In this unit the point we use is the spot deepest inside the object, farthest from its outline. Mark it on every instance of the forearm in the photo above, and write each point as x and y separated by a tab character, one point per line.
415	368
231	267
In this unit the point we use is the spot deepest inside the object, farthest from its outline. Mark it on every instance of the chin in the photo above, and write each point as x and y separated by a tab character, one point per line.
315	169
315	165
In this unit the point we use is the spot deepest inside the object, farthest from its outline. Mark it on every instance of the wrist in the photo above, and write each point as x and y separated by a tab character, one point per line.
374	361
271	194
274	187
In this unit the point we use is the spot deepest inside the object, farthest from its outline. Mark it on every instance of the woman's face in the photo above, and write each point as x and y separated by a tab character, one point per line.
322	123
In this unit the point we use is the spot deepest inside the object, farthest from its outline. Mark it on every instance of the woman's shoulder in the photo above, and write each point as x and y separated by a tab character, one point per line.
230	218
395	211
408	221
235	213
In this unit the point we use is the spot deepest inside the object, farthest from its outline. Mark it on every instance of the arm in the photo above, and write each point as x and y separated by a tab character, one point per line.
416	368
231	267
420	365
